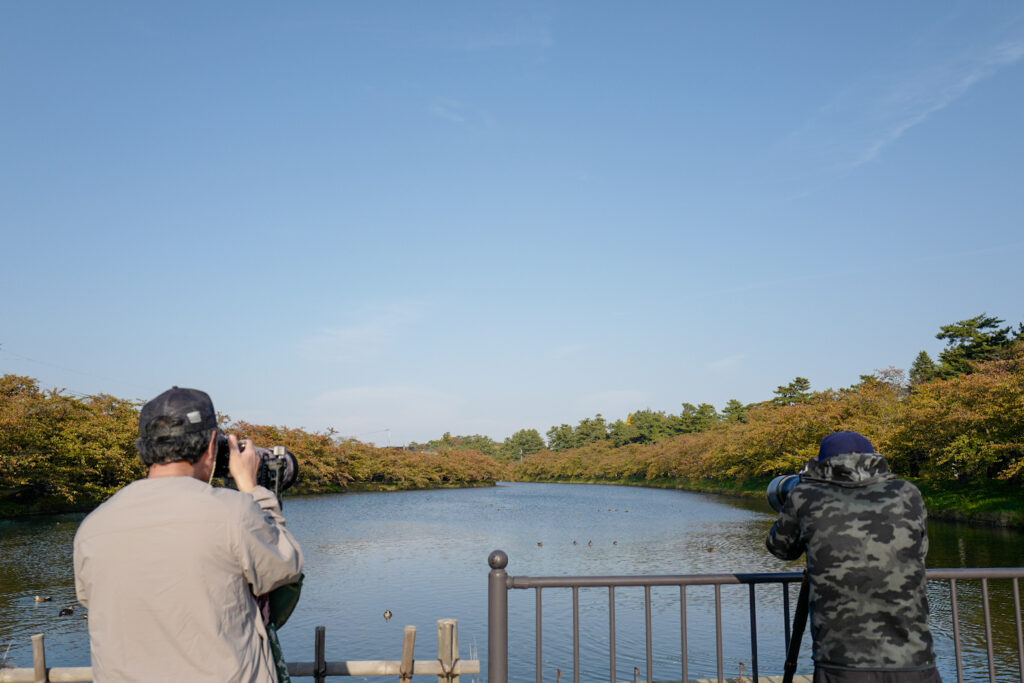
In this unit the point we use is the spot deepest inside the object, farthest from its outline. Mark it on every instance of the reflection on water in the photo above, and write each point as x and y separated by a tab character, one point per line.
423	555
954	545
35	559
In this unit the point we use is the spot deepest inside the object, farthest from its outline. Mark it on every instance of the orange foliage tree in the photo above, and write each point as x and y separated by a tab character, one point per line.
62	452
967	428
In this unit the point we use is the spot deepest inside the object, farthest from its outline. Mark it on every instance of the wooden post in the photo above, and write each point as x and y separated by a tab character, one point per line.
408	647
448	649
455	648
39	659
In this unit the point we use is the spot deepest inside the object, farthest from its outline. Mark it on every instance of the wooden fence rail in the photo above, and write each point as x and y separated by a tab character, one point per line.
447	667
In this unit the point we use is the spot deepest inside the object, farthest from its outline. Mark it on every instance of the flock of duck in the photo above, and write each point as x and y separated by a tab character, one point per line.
65	612
540	544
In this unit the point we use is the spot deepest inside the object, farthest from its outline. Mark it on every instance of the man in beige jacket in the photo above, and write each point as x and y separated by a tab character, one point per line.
169	565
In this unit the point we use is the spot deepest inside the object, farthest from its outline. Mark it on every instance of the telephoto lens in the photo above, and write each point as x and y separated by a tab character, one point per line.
278	470
779	488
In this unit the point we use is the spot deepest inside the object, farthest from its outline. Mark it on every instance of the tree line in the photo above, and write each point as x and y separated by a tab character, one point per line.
956	419
60	452
522	443
953	419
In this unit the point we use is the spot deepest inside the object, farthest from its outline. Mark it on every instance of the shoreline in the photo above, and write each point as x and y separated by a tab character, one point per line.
22	511
994	505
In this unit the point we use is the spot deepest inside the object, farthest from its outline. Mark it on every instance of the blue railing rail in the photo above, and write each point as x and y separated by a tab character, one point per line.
500	583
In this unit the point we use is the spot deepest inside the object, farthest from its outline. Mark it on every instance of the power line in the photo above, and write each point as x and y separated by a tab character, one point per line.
386	430
65	369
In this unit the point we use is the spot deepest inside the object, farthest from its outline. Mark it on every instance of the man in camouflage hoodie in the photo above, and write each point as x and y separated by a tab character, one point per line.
865	535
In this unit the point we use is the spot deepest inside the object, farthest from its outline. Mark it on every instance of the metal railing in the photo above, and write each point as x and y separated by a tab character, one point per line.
500	583
449	666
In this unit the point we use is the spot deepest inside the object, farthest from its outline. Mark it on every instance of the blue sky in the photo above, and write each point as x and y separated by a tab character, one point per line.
479	217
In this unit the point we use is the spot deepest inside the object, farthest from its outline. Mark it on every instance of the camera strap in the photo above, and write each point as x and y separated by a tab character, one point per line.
275	649
799	624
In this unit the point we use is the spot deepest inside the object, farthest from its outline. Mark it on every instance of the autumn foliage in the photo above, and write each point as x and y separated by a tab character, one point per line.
956	423
966	428
61	452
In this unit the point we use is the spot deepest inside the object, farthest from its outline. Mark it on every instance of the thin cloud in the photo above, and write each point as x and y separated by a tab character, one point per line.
449	110
911	101
513	30
727	363
455	111
868	117
360	341
398	413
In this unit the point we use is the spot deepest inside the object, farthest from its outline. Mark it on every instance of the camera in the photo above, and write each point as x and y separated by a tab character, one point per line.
779	488
278	470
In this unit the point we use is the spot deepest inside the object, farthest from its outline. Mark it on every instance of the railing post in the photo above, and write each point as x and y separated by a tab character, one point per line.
497	618
319	655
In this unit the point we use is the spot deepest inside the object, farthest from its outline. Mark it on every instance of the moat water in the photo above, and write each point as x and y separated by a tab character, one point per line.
423	556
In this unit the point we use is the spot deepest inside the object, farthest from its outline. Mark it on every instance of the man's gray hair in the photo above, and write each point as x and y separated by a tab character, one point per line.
166	449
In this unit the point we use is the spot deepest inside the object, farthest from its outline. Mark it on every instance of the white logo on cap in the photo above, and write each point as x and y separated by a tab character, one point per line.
194	417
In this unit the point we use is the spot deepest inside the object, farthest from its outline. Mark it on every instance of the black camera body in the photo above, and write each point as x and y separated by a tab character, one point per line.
779	488
279	468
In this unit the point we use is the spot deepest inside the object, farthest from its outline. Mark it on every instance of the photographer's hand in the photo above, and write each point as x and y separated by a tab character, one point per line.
244	464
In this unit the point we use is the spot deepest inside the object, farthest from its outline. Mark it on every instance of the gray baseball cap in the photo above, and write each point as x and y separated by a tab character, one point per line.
176	412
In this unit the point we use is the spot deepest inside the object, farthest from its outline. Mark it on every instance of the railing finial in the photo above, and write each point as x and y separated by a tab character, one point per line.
498	559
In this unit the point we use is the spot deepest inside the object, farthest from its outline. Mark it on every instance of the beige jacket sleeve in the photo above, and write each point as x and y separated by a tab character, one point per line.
78	561
267	552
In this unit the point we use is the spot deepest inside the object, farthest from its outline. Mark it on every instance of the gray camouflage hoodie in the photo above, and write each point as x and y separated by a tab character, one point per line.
865	535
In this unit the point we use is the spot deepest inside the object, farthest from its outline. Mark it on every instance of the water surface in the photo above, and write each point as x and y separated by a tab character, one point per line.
423	555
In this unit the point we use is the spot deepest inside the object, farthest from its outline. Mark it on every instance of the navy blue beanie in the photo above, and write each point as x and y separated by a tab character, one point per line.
844	442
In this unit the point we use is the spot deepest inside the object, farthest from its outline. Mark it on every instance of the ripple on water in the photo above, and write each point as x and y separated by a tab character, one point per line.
423	555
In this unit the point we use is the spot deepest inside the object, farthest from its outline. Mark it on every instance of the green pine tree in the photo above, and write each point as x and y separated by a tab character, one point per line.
797	391
923	369
971	341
